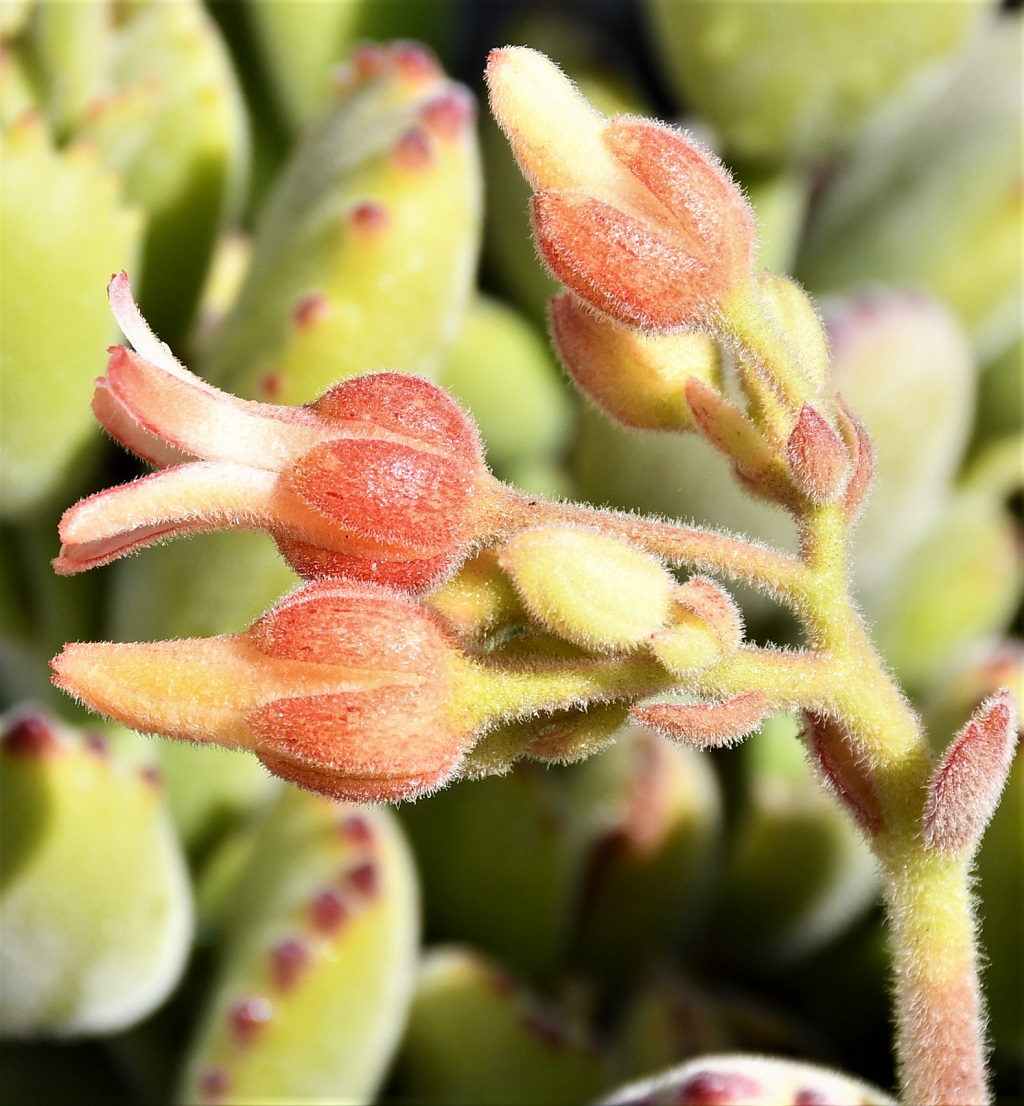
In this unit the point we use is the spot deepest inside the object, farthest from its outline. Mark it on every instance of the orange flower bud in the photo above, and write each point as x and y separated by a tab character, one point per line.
381	479
629	214
342	688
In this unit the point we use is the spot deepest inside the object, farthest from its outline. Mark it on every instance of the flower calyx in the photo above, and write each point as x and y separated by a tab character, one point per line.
381	479
343	688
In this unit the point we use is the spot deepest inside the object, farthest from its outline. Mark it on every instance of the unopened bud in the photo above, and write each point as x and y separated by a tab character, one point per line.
588	587
844	771
732	433
610	192
862	459
706	626
636	378
817	456
341	688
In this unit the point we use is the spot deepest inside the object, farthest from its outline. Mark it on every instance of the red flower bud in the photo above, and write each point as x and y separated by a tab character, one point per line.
818	458
707	725
629	214
380	479
342	688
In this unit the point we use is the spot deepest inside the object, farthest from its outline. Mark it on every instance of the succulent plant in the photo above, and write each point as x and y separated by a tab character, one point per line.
391	595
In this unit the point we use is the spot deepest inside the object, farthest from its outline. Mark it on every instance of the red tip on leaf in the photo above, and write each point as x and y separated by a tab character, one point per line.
414	150
845	772
31	735
705	724
368	217
448	115
715	606
288	961
965	789
817	457
309	310
247	1019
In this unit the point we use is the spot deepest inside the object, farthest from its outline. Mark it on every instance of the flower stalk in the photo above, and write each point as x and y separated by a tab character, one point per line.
440	604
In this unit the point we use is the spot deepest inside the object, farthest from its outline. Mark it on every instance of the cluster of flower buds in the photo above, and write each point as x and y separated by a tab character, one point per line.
655	244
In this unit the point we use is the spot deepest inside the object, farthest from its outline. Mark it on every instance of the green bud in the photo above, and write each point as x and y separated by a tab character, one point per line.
476	1035
501	369
934	199
784	82
374	218
594	590
64	232
318	963
95	906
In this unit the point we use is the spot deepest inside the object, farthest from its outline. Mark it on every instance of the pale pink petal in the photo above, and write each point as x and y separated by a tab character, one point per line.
186	499
208	423
137	330
118	422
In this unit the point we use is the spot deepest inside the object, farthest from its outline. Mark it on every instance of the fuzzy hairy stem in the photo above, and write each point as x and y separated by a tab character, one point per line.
938	1004
939	1046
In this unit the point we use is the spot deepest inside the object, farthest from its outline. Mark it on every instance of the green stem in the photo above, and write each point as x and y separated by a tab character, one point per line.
939	1048
499	691
938	1006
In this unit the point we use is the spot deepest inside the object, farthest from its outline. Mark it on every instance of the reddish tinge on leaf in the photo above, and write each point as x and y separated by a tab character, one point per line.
707	725
835	754
381	479
342	688
965	789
